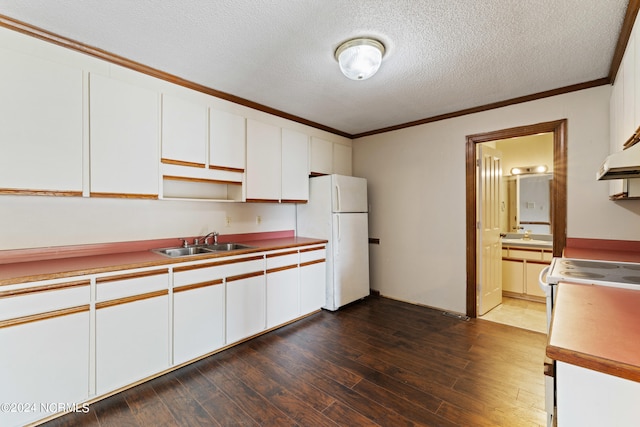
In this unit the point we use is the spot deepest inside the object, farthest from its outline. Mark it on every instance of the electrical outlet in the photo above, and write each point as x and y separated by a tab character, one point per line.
258	220
228	221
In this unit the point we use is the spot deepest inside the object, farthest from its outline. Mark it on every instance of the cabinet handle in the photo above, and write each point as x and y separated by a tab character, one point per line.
244	276
43	316
321	248
282	254
315	261
197	285
45	288
33	192
126	300
276	269
132	275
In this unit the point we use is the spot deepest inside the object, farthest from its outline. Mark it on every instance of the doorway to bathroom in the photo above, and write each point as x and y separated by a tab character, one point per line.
556	131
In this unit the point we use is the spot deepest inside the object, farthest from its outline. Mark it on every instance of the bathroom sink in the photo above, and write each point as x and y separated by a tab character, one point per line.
178	252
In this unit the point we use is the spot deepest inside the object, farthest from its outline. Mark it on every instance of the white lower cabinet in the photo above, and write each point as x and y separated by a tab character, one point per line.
313	282
246	299
132	328
590	398
44	350
198	312
282	287
65	341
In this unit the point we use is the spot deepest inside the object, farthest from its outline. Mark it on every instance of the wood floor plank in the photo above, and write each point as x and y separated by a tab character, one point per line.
398	404
279	396
184	408
250	401
147	407
375	362
397	385
114	412
304	391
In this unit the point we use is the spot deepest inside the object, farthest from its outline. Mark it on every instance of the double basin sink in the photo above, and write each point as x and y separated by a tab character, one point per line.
200	249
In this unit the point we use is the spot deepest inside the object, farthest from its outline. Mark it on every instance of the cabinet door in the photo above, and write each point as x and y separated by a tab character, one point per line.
532	272
132	341
43	363
227	141
513	276
313	281
321	157
45	343
40	125
282	288
132	328
124	138
295	166
342	159
198	316
263	162
246	300
184	131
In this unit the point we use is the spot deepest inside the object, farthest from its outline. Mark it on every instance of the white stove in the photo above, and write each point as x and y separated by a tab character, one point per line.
603	273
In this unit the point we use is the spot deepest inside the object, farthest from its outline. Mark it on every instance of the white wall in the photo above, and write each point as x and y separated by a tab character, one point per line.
40	221
416	184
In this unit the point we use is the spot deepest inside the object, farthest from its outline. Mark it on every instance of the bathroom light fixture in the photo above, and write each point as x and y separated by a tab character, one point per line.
529	169
359	58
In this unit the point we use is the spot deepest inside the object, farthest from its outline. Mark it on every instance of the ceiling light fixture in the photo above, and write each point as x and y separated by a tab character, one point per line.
360	58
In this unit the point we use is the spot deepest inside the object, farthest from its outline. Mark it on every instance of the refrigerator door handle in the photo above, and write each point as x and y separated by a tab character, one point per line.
338	225
337	198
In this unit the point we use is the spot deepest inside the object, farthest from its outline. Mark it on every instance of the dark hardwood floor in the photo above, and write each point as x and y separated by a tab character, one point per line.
376	362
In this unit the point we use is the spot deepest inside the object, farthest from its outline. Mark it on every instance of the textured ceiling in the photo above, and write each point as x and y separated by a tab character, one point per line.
441	56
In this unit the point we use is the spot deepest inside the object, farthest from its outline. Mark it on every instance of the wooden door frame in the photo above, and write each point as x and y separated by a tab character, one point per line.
558	193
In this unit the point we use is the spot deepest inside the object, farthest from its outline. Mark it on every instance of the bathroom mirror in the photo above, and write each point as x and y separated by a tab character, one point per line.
528	203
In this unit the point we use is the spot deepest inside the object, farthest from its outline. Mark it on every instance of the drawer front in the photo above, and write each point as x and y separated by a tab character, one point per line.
532	254
34	298
282	259
312	254
124	285
250	266
199	275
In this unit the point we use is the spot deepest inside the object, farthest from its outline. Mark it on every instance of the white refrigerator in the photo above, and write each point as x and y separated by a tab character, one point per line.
337	211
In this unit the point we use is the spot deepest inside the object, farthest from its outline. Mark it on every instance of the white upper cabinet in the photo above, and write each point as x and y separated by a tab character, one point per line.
321	157
40	125
327	157
184	131
124	139
263	162
295	166
227	141
341	159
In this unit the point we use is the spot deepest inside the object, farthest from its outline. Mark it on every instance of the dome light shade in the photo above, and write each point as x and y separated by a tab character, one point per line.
360	58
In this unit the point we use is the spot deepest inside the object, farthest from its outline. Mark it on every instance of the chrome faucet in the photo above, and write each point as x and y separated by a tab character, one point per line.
213	234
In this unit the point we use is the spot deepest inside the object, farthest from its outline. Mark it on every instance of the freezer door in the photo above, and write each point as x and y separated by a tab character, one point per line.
349	194
350	259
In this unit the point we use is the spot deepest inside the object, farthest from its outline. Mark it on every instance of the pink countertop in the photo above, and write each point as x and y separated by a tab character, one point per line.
597	327
67	262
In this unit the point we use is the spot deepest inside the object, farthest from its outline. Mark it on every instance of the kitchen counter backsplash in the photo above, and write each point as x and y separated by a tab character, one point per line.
58	252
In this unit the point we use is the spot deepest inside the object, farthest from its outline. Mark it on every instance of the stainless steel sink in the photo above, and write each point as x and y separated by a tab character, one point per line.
199	249
223	247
